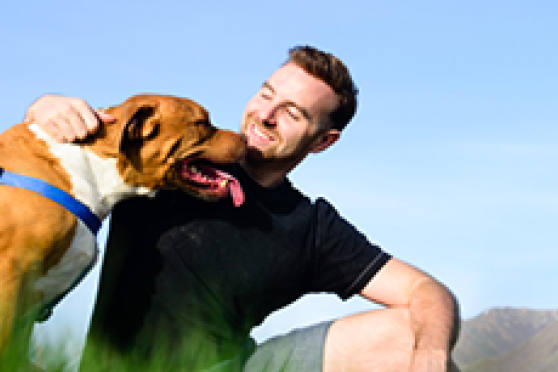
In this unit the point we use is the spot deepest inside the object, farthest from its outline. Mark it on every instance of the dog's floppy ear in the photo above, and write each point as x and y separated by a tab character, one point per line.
141	122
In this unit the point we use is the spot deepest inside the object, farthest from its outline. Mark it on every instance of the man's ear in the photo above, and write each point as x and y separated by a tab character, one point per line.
325	140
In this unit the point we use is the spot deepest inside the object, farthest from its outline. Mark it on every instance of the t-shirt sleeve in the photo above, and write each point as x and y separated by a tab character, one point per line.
345	260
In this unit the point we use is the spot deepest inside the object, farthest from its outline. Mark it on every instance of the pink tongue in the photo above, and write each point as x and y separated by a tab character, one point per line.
236	192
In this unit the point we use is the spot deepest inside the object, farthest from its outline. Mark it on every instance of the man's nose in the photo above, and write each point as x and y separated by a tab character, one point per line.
267	113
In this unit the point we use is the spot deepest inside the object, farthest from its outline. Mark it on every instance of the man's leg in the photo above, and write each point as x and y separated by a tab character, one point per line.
300	350
378	340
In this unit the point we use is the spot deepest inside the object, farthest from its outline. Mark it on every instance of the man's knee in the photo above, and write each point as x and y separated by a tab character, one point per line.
376	340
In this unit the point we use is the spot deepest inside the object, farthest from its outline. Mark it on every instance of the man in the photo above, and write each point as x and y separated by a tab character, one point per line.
185	281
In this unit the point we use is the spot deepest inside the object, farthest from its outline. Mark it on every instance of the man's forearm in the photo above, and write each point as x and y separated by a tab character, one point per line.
434	315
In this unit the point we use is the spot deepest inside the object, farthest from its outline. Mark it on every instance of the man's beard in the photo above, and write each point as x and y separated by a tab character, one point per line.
271	157
268	159
255	156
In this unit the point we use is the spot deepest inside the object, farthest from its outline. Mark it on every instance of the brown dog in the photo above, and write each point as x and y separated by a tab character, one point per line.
156	142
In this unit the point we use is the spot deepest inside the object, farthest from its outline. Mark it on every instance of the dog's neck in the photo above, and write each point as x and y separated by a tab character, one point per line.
95	178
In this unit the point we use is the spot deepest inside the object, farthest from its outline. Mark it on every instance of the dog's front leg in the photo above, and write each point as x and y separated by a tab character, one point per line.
16	299
10	284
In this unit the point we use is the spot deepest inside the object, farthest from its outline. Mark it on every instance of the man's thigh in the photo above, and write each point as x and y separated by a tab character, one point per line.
299	350
377	340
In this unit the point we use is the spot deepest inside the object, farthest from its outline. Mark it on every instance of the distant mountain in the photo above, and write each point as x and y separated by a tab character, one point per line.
538	354
510	340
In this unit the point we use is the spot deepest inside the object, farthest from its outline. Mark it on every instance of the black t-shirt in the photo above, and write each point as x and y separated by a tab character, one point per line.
180	271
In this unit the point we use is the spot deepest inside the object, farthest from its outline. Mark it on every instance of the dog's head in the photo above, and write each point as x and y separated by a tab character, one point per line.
167	141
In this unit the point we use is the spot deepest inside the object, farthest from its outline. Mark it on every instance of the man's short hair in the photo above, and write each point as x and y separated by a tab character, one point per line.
334	73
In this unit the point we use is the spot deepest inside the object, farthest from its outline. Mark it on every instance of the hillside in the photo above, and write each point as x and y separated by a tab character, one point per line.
538	354
497	332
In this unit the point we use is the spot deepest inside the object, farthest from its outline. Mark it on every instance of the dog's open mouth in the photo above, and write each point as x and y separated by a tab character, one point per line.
212	181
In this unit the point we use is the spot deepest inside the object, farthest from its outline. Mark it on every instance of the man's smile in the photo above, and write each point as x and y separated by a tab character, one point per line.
257	132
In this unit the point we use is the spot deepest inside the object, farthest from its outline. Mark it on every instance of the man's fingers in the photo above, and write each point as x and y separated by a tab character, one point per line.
69	124
65	118
85	120
51	128
104	117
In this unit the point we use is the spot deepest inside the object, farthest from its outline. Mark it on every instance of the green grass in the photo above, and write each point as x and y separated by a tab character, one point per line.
54	358
158	354
20	357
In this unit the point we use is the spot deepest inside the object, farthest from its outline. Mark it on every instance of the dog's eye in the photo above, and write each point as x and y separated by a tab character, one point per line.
205	127
204	123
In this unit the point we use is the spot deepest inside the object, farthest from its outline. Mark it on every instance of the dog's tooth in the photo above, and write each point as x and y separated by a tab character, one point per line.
194	169
223	183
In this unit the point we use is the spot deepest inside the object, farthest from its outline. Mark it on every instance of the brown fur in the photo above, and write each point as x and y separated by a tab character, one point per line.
35	231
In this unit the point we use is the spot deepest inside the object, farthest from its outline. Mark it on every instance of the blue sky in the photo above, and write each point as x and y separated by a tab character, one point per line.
449	164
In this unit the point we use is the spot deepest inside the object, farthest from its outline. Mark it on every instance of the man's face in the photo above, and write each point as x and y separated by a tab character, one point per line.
287	118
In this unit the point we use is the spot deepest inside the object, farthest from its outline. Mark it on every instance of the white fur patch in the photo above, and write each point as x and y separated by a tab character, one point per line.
97	183
81	255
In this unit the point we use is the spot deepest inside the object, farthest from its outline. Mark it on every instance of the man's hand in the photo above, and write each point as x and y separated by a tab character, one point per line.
65	118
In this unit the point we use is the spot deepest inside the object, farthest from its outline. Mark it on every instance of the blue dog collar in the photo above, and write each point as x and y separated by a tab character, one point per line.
54	193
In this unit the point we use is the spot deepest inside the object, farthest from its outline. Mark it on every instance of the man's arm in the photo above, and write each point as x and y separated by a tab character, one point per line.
432	308
65	118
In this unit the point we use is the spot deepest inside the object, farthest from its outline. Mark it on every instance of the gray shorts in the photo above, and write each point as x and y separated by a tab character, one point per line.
299	350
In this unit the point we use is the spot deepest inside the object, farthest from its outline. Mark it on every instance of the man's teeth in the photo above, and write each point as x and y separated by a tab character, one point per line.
259	133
